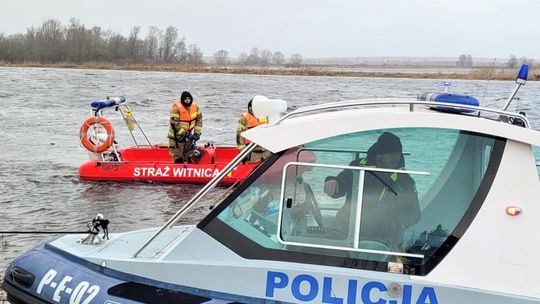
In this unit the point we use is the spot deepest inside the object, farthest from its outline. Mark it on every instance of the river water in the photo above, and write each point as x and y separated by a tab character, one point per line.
42	109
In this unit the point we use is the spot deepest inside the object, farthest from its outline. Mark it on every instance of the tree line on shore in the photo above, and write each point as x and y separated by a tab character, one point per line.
257	58
52	42
512	62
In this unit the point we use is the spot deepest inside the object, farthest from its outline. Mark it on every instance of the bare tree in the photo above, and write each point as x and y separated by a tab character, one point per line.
3	42
265	57
116	43
512	62
221	57
242	59
15	48
469	62
461	60
151	43
194	55
296	59
50	37
464	60
180	51
253	58
98	44
168	42
77	41
134	44
30	46
278	58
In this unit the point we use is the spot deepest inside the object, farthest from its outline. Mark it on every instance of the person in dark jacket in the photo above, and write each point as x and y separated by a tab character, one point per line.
390	200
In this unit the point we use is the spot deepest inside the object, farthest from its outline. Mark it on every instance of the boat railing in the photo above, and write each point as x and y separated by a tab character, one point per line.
126	122
412	104
124	111
243	154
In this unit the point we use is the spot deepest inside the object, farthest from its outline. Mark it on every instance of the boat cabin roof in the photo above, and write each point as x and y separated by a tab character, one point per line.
323	121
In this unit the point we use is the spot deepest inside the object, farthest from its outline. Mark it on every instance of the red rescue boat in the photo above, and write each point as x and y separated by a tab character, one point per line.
147	162
153	163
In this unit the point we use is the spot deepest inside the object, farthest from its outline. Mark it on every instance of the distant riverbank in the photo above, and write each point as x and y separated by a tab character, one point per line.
337	71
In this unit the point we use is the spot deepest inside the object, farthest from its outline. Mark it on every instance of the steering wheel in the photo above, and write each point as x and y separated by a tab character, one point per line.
313	204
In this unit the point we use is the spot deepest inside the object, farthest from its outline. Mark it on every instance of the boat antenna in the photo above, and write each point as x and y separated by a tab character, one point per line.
520	80
489	78
446	85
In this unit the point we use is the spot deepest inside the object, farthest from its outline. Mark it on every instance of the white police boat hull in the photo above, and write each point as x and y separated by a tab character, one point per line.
199	275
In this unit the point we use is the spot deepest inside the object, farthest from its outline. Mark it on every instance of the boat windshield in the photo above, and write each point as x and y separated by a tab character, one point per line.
340	198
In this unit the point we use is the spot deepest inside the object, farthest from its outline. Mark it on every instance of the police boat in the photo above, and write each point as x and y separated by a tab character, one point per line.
454	222
146	161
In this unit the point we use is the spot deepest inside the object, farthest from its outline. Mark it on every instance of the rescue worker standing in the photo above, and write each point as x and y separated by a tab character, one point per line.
247	121
185	126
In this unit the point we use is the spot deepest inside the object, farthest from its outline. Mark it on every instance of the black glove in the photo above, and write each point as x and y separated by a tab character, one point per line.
195	137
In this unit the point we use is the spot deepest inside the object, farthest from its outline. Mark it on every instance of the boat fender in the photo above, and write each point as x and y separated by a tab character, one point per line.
85	139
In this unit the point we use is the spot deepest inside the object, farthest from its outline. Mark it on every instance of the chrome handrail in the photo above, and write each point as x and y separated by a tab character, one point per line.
138	125
394	101
199	194
99	112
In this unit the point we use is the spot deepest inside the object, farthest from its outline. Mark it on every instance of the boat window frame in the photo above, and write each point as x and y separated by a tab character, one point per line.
358	215
249	249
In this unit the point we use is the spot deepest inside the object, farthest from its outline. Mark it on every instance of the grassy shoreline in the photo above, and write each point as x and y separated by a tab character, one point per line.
476	74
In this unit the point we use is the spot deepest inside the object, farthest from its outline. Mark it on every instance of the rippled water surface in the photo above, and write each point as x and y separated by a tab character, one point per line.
41	111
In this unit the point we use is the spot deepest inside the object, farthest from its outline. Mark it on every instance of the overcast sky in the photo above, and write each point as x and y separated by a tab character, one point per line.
313	28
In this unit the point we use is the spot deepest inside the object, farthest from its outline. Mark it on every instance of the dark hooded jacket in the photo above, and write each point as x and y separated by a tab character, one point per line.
385	214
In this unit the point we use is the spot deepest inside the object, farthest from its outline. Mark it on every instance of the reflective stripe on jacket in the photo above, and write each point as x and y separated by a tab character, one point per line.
246	122
187	118
183	120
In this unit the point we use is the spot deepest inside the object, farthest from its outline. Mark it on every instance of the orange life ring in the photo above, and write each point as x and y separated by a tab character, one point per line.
85	140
